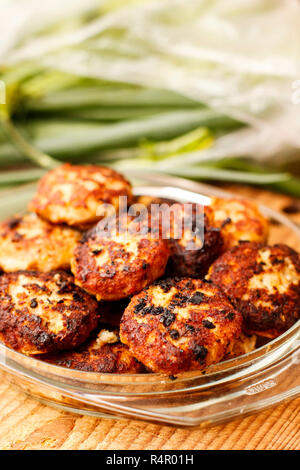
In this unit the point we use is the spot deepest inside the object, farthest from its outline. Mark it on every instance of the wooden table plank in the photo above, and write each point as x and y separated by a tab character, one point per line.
27	424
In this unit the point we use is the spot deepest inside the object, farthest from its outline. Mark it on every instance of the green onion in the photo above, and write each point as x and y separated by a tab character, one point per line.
110	113
291	187
11	178
151	85
113	96
37	157
206	172
71	138
211	173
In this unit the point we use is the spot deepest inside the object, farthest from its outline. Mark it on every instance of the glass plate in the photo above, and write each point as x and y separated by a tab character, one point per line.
236	387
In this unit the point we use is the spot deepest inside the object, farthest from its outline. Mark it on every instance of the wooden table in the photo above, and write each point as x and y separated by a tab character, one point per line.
27	424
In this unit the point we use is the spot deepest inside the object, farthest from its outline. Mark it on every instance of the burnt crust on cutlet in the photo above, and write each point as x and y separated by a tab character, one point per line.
43	312
199	245
263	282
119	265
166	325
93	356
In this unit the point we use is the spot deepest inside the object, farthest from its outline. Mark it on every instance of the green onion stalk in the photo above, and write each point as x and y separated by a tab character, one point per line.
85	86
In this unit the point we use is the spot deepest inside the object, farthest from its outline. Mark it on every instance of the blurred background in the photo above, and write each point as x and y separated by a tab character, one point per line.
203	89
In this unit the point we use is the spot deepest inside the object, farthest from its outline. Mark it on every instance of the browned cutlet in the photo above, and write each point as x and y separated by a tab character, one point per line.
194	244
103	353
263	282
198	246
30	243
120	263
177	325
244	345
72	194
44	312
238	219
